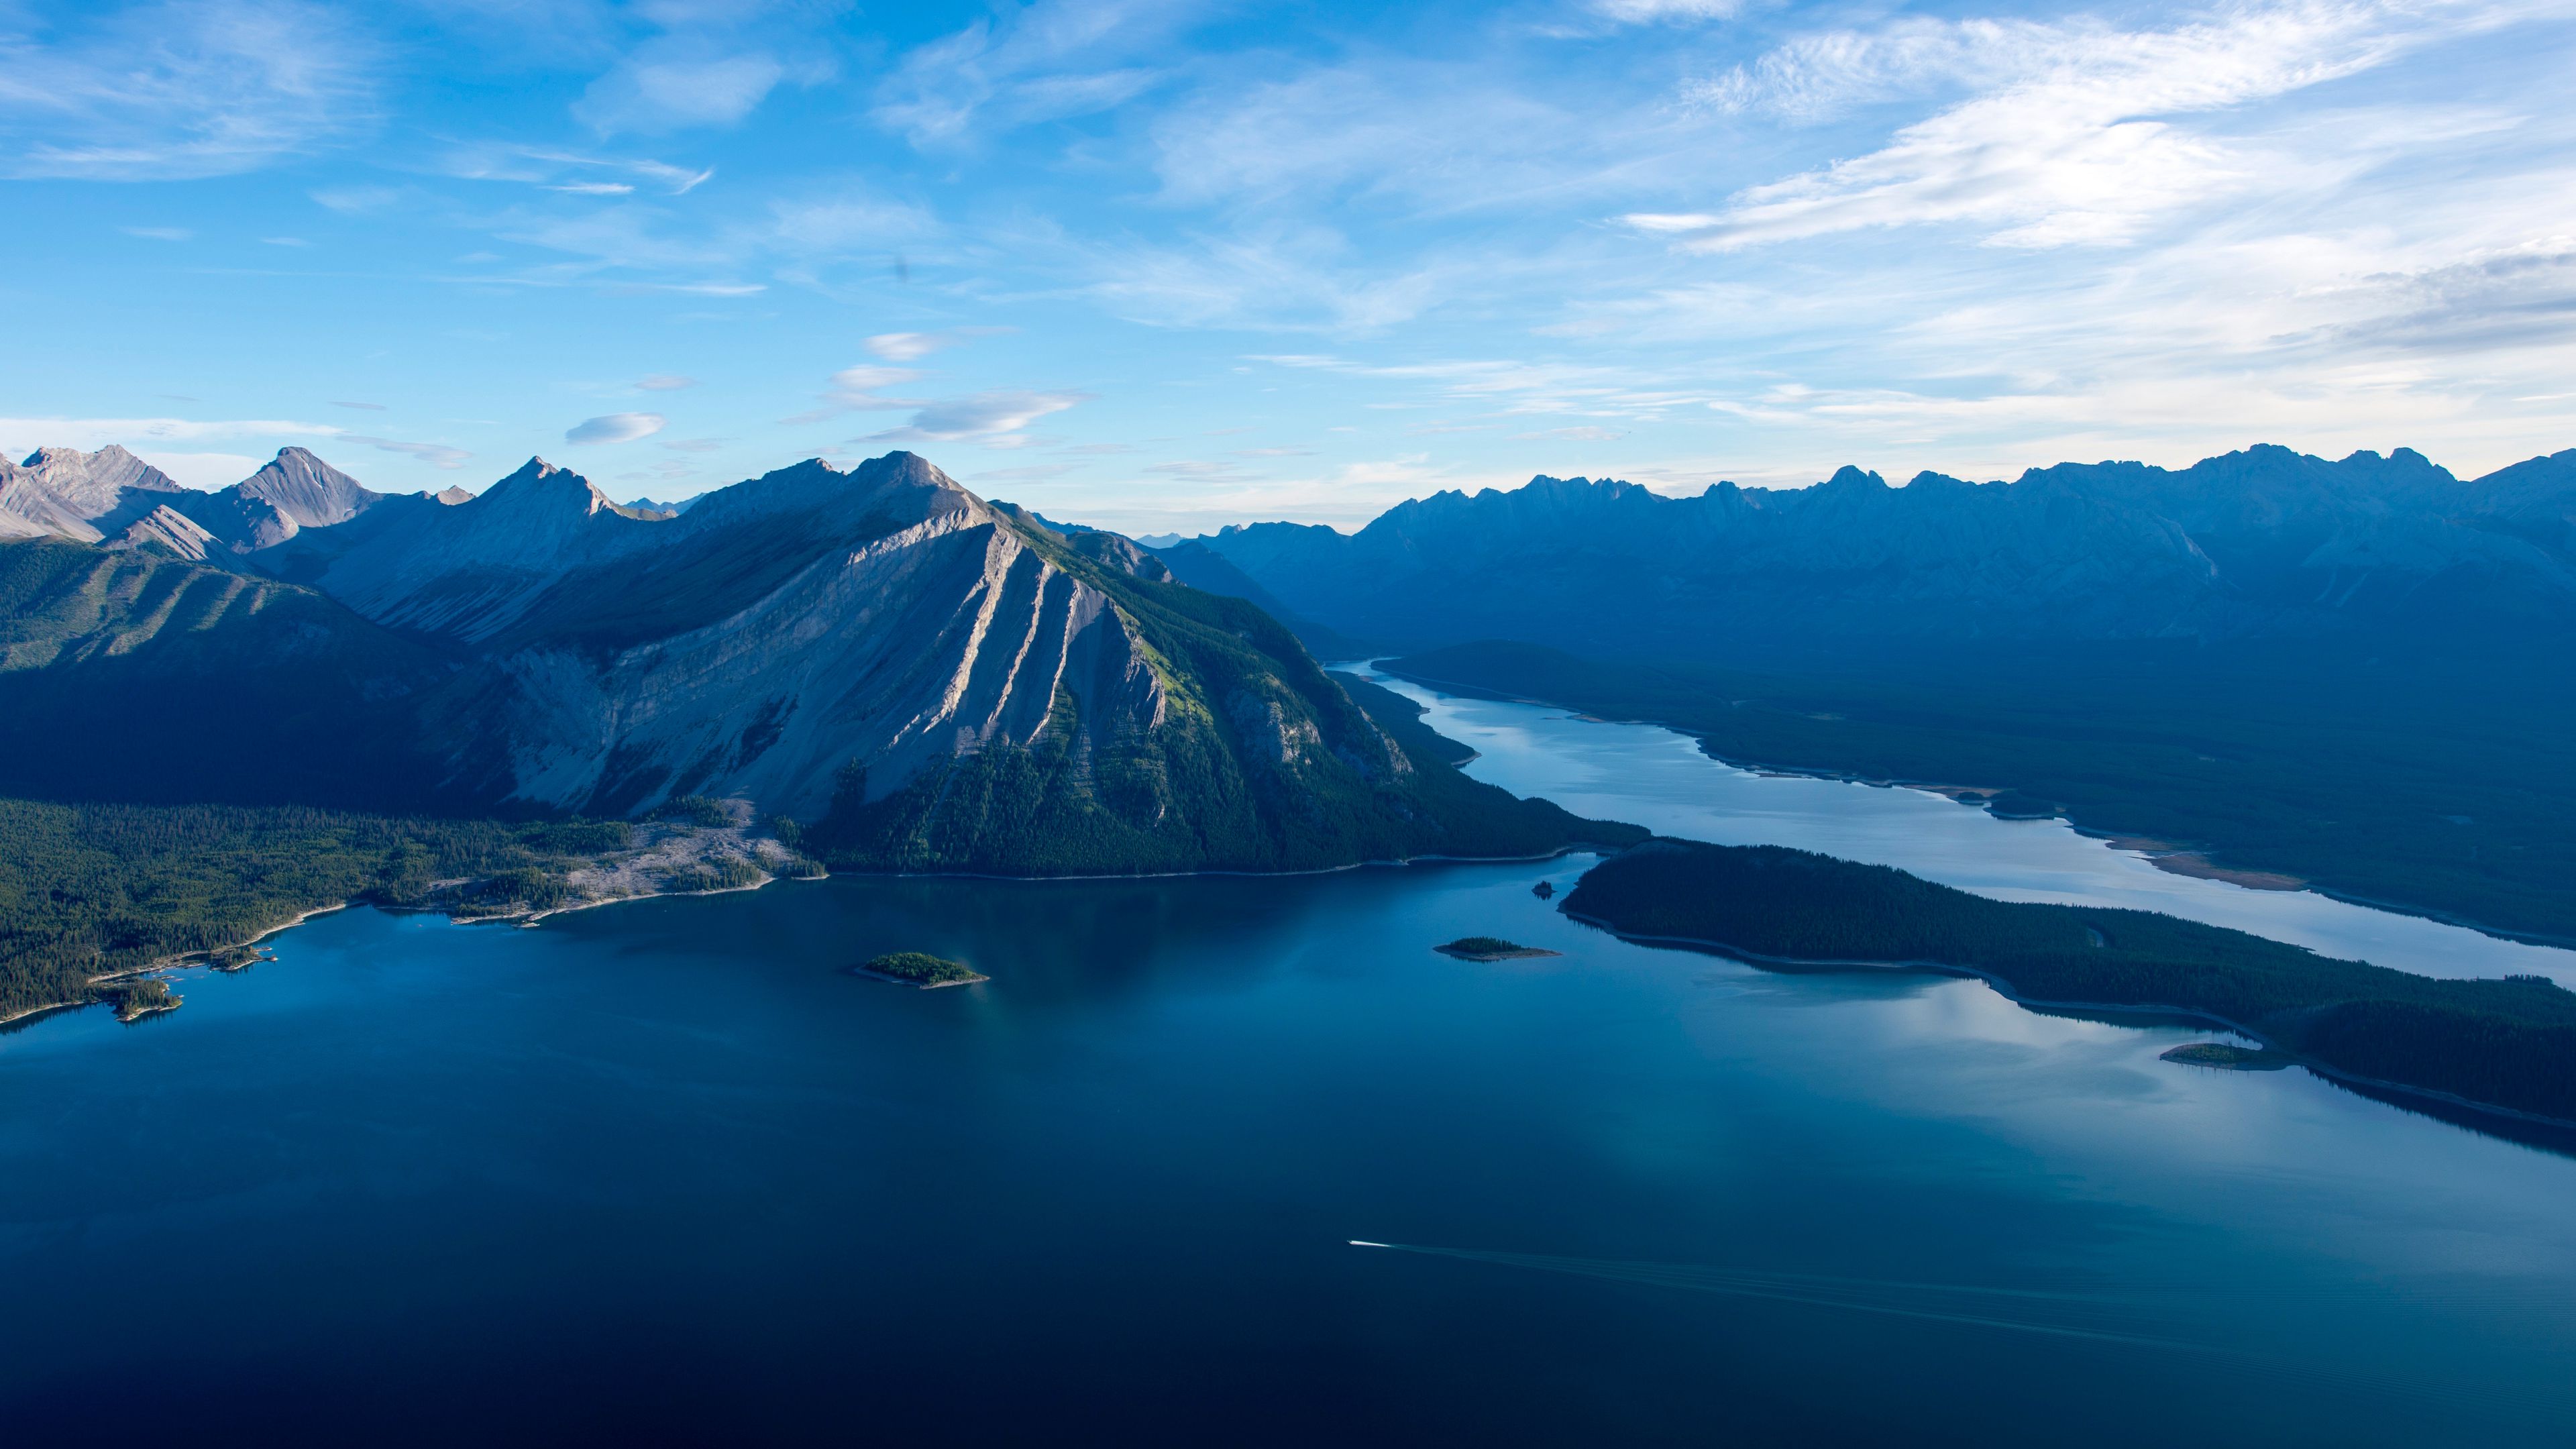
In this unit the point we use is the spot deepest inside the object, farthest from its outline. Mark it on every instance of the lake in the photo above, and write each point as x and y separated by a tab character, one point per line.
1660	779
663	1173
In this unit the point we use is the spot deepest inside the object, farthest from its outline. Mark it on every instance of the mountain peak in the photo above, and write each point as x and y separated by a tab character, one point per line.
541	484
307	491
1850	476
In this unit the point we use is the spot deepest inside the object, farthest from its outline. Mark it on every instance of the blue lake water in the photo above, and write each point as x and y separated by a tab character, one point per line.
1660	779
660	1173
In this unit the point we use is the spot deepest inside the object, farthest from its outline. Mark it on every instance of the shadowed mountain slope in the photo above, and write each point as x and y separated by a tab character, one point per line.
2265	542
937	681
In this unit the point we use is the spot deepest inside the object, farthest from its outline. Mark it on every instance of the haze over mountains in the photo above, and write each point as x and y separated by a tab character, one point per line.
2260	543
932	678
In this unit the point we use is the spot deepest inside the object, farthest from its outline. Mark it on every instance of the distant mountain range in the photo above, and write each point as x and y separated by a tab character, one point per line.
929	679
2260	543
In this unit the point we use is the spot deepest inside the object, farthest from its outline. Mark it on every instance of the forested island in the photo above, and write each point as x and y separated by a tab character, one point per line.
1490	948
920	968
2507	1044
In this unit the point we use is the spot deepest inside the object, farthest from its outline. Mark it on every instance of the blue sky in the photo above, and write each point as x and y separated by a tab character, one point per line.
1169	265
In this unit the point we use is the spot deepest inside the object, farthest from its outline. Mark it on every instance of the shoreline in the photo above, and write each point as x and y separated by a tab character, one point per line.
166	963
1954	792
2008	992
527	919
975	980
1591	848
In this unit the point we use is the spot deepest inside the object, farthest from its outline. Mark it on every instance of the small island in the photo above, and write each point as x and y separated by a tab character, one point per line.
139	999
1489	948
2227	1058
920	968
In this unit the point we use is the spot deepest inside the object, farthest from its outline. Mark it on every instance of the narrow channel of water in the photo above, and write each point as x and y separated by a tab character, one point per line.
1660	779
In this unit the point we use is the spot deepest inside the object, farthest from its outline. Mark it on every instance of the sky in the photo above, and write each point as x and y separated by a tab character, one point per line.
1160	265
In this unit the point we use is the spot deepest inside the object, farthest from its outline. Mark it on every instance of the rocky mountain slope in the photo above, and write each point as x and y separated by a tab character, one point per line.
296	491
2265	542
928	679
84	497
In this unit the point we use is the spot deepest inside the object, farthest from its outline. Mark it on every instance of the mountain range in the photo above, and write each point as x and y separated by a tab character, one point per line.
924	678
2262	543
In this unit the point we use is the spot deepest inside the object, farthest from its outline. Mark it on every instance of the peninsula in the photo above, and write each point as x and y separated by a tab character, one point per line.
2506	1045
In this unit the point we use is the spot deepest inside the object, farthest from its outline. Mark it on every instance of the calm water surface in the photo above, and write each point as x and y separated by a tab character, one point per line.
661	1174
1659	779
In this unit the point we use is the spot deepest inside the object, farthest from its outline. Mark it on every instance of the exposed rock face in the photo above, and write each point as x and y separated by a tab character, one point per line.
754	645
2263	541
296	491
85	497
168	529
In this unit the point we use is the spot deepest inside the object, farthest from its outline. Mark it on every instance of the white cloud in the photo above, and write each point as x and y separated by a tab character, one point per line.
24	434
174	91
654	95
2076	134
158	233
905	346
857	389
1648	12
614	428
1047	61
436	455
861	382
555	170
849	221
664	382
987	417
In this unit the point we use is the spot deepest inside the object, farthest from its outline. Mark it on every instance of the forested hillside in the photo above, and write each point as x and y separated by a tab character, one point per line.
92	890
2508	1043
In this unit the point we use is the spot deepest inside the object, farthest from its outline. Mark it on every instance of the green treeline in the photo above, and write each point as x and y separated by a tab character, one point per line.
90	890
921	968
2436	780
2508	1043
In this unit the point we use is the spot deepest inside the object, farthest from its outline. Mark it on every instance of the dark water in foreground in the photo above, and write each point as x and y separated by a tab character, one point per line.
657	1173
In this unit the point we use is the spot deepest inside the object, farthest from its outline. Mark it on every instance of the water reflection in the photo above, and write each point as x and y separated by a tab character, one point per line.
1660	779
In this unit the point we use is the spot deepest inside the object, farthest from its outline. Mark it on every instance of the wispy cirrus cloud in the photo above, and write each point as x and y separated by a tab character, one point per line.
172	91
1047	61
2077	132
554	168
